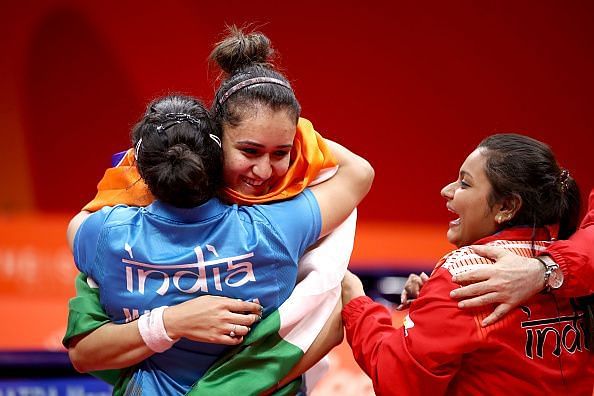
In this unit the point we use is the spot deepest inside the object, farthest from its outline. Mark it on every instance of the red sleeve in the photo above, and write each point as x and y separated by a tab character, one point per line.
575	256
424	354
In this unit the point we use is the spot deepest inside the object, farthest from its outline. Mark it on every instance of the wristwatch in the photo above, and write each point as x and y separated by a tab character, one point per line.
553	275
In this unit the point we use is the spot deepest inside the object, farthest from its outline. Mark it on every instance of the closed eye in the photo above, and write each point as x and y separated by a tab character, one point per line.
249	151
281	153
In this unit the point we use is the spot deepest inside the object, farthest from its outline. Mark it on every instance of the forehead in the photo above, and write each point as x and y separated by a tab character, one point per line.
263	126
475	164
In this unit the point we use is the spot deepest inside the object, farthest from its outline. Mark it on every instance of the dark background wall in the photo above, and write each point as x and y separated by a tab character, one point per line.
413	86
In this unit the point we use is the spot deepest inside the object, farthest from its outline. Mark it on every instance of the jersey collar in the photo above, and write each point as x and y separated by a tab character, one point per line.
207	210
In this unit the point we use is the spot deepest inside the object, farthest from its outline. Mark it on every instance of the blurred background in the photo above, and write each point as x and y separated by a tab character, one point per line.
412	86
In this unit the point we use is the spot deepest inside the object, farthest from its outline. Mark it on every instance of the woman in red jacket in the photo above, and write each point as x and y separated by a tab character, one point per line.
510	193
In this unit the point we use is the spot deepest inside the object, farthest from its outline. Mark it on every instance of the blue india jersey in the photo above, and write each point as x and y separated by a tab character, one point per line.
144	258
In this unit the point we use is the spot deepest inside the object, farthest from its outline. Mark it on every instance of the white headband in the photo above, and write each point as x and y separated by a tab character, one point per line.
252	81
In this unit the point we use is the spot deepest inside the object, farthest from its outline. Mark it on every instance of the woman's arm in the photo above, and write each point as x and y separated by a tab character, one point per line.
205	319
512	280
110	346
575	256
340	195
74	225
509	282
402	361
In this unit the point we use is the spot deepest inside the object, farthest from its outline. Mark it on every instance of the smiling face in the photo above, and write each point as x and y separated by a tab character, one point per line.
467	198
257	151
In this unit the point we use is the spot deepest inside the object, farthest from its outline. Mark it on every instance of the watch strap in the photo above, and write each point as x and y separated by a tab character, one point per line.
550	265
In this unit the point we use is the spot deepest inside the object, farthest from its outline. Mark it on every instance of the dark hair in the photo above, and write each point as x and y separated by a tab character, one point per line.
522	166
175	154
243	56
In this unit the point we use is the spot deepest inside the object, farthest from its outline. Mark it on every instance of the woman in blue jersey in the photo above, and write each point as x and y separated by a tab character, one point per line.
188	243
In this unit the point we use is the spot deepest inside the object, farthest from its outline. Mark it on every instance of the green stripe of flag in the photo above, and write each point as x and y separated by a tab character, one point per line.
253	367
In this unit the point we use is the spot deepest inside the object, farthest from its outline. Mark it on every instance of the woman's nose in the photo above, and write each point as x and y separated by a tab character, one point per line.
447	191
263	168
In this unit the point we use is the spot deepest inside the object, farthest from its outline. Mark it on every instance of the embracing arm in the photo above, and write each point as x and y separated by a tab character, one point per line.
205	319
340	195
111	346
74	225
512	280
575	256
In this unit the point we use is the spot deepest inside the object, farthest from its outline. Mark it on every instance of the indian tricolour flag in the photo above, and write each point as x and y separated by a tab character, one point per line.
277	343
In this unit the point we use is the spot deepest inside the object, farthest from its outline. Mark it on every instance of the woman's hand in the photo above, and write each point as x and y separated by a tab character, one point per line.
351	287
411	290
205	318
213	319
509	282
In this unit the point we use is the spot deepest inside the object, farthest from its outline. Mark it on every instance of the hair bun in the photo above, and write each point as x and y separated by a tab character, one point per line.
177	153
184	171
240	49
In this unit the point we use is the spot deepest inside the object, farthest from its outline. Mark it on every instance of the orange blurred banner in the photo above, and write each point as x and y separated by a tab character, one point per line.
37	270
36	279
34	257
411	246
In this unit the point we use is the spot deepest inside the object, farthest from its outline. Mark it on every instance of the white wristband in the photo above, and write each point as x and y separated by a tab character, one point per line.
152	330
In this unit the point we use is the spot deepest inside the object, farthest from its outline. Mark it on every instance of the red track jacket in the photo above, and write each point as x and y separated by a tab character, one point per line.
537	349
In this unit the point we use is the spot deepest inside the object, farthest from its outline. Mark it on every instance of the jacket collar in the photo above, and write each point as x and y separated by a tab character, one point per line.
521	233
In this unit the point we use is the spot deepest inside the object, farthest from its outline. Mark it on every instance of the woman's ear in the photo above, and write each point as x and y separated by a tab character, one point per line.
509	207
